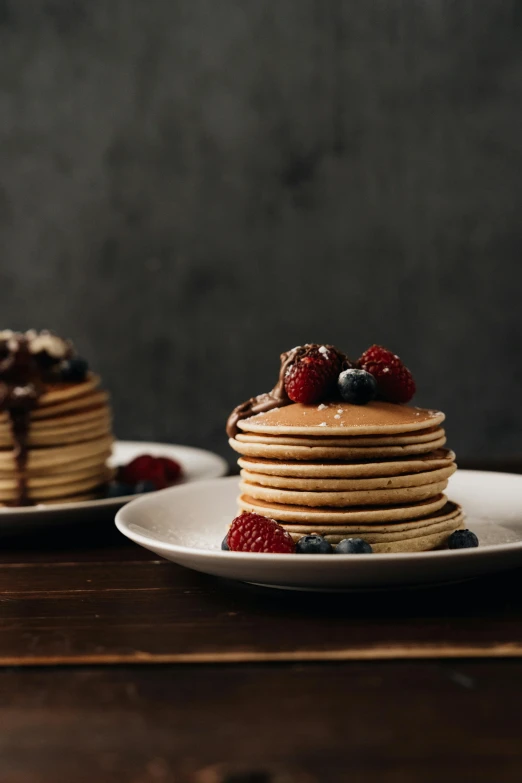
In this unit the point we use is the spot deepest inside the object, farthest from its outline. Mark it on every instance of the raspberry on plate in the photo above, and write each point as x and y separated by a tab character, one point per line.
161	471
394	381
314	374
171	469
251	532
377	353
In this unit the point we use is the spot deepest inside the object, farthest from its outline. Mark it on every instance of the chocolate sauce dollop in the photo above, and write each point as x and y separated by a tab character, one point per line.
278	397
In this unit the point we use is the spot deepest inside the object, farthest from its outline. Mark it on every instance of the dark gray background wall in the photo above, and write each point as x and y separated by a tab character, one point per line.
189	187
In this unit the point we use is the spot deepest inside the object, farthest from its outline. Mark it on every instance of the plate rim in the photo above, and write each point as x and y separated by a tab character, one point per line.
478	552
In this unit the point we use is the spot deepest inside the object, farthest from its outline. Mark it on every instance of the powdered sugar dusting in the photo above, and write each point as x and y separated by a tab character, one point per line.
322	407
339	410
323	424
324	350
263	413
337	416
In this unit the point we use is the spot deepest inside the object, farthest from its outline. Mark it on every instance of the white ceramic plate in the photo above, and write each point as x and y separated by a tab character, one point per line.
197	465
186	524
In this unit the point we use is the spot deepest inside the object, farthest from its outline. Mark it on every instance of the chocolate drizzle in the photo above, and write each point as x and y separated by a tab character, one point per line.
277	398
21	386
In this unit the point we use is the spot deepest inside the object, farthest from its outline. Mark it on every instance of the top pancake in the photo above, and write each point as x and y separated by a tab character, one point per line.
60	392
61	398
342	418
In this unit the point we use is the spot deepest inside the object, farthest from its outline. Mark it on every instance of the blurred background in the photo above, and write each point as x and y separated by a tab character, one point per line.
190	187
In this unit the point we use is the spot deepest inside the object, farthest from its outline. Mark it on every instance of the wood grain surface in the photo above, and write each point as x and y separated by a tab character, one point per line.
387	722
156	612
248	685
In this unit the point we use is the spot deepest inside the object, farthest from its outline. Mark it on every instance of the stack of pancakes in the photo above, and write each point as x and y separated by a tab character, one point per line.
69	439
375	471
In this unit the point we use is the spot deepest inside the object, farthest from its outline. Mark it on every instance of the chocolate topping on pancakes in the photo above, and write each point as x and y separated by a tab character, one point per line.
31	371
277	398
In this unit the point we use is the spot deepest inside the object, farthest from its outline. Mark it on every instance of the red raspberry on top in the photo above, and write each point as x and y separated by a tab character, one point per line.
314	374
394	381
377	353
161	471
251	532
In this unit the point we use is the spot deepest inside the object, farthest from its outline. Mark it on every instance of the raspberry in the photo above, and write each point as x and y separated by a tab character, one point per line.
376	353
161	471
314	374
394	381
171	469
251	532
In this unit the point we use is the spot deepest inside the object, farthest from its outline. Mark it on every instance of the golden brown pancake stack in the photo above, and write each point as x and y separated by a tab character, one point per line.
55	433
375	471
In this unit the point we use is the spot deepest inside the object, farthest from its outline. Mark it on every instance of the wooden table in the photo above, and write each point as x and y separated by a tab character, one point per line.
117	667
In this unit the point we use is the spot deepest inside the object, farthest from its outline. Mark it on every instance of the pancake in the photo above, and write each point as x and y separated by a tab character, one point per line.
346	498
57	479
342	418
44	492
440	458
429	532
434	540
450	511
92	398
89	415
61	435
75	464
59	393
423	436
42	459
337	484
379	514
275	450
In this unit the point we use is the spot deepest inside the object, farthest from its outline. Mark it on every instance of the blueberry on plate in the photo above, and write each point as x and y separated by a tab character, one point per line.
224	544
74	370
357	386
313	545
118	489
353	546
463	539
144	486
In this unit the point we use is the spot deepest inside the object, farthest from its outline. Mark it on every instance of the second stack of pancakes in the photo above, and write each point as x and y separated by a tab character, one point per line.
69	441
376	472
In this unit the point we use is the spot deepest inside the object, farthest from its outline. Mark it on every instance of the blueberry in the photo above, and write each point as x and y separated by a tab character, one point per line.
313	545
224	544
74	370
462	539
353	546
144	486
118	489
357	386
